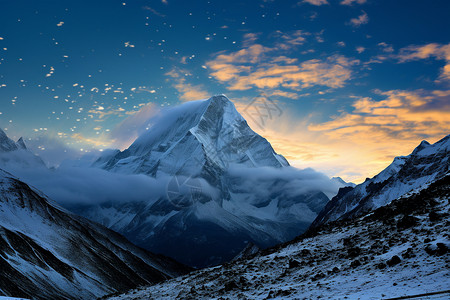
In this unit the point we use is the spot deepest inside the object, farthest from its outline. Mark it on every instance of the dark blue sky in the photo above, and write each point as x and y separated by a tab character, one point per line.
73	71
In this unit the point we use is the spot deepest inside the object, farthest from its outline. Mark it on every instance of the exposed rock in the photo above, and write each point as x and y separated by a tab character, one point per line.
393	261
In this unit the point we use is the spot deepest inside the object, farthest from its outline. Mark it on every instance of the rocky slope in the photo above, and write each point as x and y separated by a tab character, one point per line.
49	253
398	250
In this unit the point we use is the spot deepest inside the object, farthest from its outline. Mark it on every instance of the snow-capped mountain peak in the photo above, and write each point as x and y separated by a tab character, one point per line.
6	144
226	186
21	144
193	138
426	148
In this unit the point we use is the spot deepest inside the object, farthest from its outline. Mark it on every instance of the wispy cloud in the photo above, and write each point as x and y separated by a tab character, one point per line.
360	49
360	20
250	38
316	2
386	47
188	91
129	129
75	186
122	134
262	67
402	115
154	11
433	50
351	2
291	40
332	72
101	113
98	142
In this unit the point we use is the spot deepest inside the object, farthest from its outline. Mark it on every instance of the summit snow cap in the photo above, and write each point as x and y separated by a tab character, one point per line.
193	138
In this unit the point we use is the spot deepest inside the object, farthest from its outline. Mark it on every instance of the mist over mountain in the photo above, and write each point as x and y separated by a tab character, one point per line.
225	187
16	154
238	203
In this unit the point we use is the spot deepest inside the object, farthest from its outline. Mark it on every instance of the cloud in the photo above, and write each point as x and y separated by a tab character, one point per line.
97	141
258	66
332	72
188	91
81	187
250	38
75	187
124	133
404	115
284	94
386	47
433	50
153	11
291	40
133	126
316	2
360	20
351	2
291	181
360	49
102	112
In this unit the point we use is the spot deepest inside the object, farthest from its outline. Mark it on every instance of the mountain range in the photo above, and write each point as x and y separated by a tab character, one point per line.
222	196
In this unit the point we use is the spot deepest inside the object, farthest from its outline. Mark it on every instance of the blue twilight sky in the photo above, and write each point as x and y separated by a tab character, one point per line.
358	81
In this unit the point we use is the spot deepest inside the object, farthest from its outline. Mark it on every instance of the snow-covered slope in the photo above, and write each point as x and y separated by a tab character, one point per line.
401	249
226	187
406	173
49	253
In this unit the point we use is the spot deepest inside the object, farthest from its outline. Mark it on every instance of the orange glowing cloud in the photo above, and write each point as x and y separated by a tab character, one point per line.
187	91
250	68
438	51
270	68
